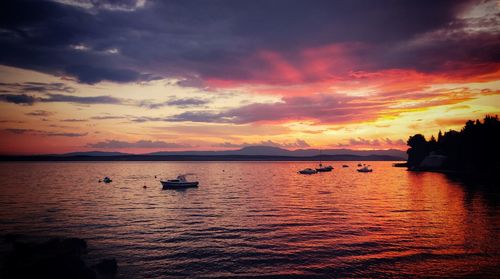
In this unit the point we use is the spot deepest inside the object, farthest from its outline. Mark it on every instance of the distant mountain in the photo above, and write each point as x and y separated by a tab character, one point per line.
256	151
276	151
314	152
90	153
249	150
144	157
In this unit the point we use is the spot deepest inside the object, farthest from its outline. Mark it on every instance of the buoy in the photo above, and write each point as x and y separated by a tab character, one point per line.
144	186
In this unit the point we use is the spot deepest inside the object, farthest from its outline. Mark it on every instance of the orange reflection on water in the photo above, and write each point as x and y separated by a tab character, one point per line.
260	218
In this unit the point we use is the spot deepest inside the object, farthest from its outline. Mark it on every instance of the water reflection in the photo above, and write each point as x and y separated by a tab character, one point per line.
259	218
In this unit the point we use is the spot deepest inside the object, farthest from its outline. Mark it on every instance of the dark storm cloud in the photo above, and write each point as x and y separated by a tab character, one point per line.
61	134
187	102
54	98
11	121
18	131
89	74
121	41
24	99
181	103
35	87
21	99
44	133
40	113
142	119
74	120
202	116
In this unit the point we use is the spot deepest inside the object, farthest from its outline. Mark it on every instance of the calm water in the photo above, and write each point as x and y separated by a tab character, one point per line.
259	218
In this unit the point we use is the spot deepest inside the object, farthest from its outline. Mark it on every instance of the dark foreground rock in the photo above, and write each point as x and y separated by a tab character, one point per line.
54	258
107	267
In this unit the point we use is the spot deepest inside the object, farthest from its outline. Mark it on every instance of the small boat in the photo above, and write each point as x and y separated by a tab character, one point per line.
345	166
106	180
324	169
365	169
308	171
321	167
180	182
359	165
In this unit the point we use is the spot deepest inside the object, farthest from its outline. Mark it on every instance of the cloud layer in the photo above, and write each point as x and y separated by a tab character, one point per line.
123	41
118	144
44	133
227	74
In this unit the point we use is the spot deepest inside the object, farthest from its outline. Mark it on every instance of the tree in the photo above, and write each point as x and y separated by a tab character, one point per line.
417	150
432	145
474	149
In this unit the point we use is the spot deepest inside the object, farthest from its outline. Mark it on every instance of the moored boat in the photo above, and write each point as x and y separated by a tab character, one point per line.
180	182
324	169
308	171
106	180
321	167
365	169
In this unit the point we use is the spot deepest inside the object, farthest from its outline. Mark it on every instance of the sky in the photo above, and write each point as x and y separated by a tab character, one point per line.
143	75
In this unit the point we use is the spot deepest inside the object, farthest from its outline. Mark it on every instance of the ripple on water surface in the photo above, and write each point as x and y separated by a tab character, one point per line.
258	218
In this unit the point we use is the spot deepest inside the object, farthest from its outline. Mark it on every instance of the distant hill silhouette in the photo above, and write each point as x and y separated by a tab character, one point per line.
145	157
255	153
90	153
473	149
276	151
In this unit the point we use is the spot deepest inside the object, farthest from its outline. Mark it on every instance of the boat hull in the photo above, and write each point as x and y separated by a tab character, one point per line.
323	170
178	185
308	171
365	170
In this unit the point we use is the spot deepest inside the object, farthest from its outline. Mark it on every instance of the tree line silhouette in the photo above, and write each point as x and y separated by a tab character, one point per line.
473	149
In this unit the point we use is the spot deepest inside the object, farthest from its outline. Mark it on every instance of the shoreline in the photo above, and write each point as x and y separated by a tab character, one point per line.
42	158
43	256
490	178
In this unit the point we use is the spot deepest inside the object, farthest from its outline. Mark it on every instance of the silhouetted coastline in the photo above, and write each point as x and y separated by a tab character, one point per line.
201	158
471	151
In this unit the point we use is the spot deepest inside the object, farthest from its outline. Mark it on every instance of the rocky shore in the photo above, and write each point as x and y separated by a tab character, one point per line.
57	258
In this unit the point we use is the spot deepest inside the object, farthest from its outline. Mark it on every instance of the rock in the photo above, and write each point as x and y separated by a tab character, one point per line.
56	258
432	162
11	237
107	267
75	245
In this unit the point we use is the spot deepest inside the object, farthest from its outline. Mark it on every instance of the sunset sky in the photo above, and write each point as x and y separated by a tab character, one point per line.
142	75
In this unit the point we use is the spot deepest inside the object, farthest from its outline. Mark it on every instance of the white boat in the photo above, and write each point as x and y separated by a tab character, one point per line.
308	171
180	182
324	169
365	169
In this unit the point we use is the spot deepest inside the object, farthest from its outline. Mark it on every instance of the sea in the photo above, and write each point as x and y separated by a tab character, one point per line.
260	219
